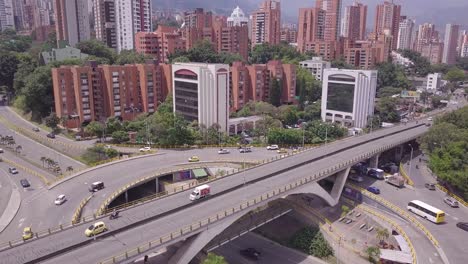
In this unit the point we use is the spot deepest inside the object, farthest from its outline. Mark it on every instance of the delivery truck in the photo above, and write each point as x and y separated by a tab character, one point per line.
200	192
396	180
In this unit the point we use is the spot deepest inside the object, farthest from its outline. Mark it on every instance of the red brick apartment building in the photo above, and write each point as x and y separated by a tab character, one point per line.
252	82
96	92
161	43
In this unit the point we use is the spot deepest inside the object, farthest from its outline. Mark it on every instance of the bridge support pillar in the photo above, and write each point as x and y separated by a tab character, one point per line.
126	196
340	181
196	243
374	161
156	181
399	153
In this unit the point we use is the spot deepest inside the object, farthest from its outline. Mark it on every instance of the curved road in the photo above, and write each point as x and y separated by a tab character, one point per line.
41	213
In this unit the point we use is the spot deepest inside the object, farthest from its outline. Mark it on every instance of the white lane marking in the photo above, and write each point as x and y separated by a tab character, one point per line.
455	218
430	260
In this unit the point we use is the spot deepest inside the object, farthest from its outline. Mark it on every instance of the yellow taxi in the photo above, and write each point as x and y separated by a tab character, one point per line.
282	151
96	229
194	159
27	233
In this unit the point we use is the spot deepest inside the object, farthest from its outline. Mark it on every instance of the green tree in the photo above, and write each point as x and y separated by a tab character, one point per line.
310	90
386	110
421	65
113	124
10	41
344	210
37	91
388	91
382	234
181	59
319	247
341	64
455	75
313	111
288	114
462	63
214	259
111	153
276	90
285	136
229	58
392	75
130	57
8	66
94	128
98	49
27	65
120	136
52	121
373	254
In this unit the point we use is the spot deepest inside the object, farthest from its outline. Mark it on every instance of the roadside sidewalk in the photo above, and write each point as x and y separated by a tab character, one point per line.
11	209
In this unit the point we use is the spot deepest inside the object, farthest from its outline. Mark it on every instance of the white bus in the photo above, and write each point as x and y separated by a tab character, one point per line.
426	211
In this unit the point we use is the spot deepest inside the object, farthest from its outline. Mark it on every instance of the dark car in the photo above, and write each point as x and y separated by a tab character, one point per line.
463	225
373	190
35	129
96	186
250	253
430	186
51	135
389	167
25	183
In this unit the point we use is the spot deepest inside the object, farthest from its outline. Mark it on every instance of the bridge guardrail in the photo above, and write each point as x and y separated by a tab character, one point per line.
403	173
77	215
399	211
458	198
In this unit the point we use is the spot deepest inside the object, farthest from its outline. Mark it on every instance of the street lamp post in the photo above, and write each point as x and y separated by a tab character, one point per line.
303	133
411	159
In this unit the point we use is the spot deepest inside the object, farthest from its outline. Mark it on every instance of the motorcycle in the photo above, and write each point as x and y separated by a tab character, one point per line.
114	215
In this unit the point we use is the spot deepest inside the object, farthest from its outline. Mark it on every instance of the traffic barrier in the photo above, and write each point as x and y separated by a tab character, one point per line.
405	175
458	198
28	170
399	211
77	215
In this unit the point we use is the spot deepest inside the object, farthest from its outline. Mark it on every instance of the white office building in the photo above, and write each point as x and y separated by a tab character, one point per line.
7	18
433	82
316	66
119	20
348	96
405	34
201	93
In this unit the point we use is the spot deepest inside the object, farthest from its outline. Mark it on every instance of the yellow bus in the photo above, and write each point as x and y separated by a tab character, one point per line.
426	211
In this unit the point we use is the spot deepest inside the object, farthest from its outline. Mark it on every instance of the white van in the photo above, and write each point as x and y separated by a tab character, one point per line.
200	192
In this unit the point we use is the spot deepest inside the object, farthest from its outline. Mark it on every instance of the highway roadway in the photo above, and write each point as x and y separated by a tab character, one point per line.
147	232
41	212
32	151
271	252
452	239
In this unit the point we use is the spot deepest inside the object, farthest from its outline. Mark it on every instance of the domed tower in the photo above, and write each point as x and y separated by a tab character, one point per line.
237	18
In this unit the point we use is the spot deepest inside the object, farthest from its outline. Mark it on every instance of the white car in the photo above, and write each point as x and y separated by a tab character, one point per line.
145	149
429	119
60	199
273	147
223	151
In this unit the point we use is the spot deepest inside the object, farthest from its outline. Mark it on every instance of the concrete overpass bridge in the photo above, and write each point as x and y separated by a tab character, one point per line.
174	218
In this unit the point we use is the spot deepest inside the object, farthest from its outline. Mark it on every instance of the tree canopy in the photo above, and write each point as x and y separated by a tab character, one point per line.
391	75
447	145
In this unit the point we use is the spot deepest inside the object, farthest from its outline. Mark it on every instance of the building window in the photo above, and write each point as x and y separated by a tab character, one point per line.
340	97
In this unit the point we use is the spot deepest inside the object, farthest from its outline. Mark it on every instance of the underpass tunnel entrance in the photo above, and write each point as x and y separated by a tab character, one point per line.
157	185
